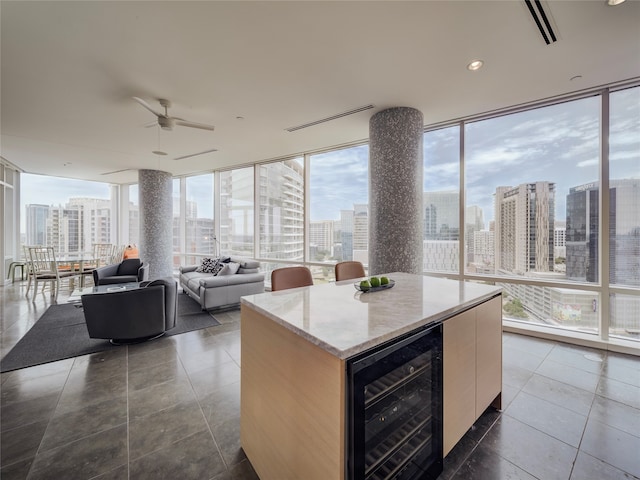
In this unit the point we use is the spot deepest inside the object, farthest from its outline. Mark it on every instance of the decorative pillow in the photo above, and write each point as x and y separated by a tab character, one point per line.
230	268
210	265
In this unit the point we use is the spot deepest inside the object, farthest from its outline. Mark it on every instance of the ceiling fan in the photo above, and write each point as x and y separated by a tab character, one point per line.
166	121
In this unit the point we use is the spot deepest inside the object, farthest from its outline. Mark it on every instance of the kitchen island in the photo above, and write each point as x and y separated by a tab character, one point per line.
296	344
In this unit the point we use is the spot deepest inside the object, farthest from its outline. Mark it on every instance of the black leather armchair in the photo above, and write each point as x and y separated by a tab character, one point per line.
132	316
129	270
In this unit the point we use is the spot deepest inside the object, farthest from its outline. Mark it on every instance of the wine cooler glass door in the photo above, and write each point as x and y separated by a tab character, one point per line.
395	427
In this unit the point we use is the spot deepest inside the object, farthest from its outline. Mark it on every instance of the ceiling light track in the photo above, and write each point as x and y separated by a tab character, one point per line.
542	21
328	119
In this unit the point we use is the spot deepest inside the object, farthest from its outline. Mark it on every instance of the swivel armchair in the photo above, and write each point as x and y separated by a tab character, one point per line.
129	270
132	316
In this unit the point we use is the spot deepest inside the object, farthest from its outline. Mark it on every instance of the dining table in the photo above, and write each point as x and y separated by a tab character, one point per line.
82	263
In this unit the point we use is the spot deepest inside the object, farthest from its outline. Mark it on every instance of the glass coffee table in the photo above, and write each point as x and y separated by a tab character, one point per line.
76	295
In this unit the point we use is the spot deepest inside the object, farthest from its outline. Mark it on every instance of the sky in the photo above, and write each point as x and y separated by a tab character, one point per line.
559	143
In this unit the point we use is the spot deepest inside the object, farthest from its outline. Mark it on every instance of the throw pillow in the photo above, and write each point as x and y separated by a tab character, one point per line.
209	265
230	268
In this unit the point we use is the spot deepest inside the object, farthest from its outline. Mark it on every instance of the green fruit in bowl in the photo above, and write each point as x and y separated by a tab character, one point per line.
365	285
375	281
384	281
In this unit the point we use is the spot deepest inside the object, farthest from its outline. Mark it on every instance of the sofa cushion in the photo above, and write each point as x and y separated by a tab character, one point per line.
118	279
129	266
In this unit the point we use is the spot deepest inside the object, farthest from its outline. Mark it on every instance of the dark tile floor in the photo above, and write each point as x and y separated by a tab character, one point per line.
170	409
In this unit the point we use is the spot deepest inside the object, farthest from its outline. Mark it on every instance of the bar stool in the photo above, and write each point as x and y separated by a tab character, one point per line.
12	270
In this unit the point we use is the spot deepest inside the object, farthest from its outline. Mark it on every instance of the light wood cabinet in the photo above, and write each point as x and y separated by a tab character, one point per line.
293	393
472	368
292	403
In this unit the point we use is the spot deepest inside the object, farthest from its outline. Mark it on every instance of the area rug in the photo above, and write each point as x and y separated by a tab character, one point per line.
62	333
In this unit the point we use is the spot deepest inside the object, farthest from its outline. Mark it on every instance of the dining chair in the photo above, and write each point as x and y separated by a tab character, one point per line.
103	254
43	267
118	254
349	270
290	277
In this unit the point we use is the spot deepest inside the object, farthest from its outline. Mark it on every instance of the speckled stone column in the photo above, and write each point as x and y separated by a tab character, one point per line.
395	191
156	216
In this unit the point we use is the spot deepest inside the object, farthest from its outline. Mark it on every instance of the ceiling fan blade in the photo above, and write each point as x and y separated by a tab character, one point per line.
196	154
148	107
202	126
151	124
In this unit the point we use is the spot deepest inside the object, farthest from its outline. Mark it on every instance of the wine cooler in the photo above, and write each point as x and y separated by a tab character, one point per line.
395	410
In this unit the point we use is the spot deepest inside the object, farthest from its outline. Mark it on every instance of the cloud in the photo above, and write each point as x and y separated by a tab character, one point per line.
589	163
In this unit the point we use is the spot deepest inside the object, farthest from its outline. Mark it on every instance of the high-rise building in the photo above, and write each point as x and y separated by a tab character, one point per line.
36	224
321	235
484	248
361	233
524	228
474	222
281	207
95	220
582	234
73	228
441	215
560	240
346	234
581	238
64	232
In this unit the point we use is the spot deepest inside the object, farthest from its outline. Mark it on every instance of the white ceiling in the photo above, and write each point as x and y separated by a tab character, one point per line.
69	70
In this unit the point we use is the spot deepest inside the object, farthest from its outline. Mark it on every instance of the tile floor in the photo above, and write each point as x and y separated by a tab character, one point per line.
170	409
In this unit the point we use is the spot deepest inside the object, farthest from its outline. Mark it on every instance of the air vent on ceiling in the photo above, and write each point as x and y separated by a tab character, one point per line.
117	171
542	21
328	119
196	154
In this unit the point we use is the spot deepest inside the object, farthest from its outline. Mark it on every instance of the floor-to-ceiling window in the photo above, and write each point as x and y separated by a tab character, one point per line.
200	237
9	236
338	208
133	216
67	214
280	188
236	212
624	217
441	201
533	175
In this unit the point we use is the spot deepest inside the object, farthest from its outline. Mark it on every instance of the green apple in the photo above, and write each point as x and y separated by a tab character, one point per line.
384	281
375	281
365	285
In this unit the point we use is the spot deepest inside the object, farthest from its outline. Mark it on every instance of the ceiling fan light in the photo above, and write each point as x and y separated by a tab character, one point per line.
166	123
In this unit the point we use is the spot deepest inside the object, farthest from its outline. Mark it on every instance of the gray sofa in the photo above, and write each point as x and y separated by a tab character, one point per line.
212	291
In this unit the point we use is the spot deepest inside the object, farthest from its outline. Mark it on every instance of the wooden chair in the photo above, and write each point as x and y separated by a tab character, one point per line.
290	277
43	267
103	254
118	254
349	270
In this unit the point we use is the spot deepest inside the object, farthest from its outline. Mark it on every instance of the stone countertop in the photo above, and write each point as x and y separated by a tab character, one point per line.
345	322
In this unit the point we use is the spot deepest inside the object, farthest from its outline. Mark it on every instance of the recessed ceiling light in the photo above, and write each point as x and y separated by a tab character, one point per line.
475	65
613	3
